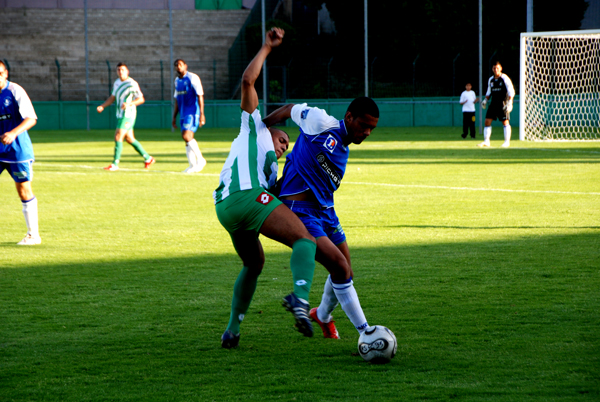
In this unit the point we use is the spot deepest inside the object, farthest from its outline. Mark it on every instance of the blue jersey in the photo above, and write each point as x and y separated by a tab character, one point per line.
187	90
319	157
15	106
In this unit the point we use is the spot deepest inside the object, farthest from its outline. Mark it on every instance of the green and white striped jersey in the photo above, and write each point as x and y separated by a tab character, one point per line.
252	162
126	91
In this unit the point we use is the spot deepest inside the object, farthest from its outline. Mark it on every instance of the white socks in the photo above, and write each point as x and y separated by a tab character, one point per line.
192	150
487	133
507	132
347	297
30	212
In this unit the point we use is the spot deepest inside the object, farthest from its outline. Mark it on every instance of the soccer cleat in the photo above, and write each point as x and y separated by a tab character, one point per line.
506	144
149	163
229	340
300	311
30	240
112	168
329	329
463	135
483	144
190	169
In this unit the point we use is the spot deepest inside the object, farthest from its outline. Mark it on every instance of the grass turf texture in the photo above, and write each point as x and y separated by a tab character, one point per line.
484	262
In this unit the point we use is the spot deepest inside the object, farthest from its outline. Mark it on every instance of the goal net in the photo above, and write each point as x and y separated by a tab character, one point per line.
560	86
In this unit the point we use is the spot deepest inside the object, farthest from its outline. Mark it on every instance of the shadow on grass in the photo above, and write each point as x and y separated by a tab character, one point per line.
509	319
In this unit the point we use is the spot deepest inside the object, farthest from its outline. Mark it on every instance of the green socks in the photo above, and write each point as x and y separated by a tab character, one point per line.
302	264
118	150
140	150
136	145
243	290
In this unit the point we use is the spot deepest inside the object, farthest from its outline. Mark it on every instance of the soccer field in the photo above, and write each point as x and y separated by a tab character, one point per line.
484	262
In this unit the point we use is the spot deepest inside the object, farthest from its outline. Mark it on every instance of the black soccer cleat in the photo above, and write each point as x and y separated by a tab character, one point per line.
229	340
300	311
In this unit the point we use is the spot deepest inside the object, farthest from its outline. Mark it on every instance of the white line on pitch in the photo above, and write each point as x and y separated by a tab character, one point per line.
469	188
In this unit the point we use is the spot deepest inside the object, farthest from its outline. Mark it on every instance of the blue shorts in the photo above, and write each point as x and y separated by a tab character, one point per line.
20	171
319	221
190	122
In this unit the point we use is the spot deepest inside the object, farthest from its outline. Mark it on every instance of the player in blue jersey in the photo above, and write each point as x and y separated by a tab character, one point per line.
189	104
16	152
313	172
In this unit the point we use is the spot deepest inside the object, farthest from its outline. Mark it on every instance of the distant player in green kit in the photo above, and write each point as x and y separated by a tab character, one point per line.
128	95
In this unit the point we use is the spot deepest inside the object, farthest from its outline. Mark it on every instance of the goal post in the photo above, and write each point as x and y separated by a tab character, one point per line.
560	86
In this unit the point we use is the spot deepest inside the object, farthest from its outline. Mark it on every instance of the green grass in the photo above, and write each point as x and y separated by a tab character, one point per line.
484	262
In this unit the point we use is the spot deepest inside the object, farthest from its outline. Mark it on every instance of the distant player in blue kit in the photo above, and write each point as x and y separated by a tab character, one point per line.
313	172
502	92
16	152
189	103
246	208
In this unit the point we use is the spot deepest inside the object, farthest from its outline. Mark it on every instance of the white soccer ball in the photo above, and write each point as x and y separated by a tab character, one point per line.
377	344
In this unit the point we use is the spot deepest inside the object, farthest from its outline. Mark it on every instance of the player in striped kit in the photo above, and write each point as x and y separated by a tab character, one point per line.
16	152
126	92
246	208
502	92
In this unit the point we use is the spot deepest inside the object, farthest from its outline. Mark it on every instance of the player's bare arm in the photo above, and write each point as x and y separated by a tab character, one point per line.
8	137
249	101
135	102
106	103
175	113
279	115
201	103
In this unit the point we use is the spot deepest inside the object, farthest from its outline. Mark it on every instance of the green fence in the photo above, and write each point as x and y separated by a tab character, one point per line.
400	112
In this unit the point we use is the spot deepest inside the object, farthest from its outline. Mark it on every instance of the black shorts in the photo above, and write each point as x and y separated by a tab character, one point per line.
495	111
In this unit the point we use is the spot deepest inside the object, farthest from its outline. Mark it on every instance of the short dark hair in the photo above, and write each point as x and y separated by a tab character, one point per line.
122	65
362	106
179	60
497	62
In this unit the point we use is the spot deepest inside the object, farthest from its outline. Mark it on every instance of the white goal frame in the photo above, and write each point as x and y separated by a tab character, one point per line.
568	107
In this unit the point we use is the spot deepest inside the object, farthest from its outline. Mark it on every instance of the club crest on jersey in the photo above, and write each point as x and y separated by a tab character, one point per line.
304	113
7	102
330	143
264	198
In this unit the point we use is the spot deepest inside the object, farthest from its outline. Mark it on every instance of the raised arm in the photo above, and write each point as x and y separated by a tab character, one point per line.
279	115
249	96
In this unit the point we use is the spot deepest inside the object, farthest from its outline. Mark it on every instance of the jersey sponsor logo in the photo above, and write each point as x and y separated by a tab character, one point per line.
264	198
329	168
330	143
5	117
181	92
304	113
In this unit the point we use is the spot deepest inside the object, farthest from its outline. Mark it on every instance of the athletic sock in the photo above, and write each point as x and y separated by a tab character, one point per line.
193	145
348	298
302	264
507	133
190	155
30	212
243	290
328	302
140	149
487	133
118	150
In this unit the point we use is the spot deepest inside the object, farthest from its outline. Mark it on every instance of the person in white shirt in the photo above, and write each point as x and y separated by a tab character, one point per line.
468	99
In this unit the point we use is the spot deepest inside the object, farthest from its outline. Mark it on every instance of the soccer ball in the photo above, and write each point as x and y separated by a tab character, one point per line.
377	344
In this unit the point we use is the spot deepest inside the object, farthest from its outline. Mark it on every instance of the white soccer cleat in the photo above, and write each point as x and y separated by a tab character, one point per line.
506	144
201	165
30	240
483	144
112	168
